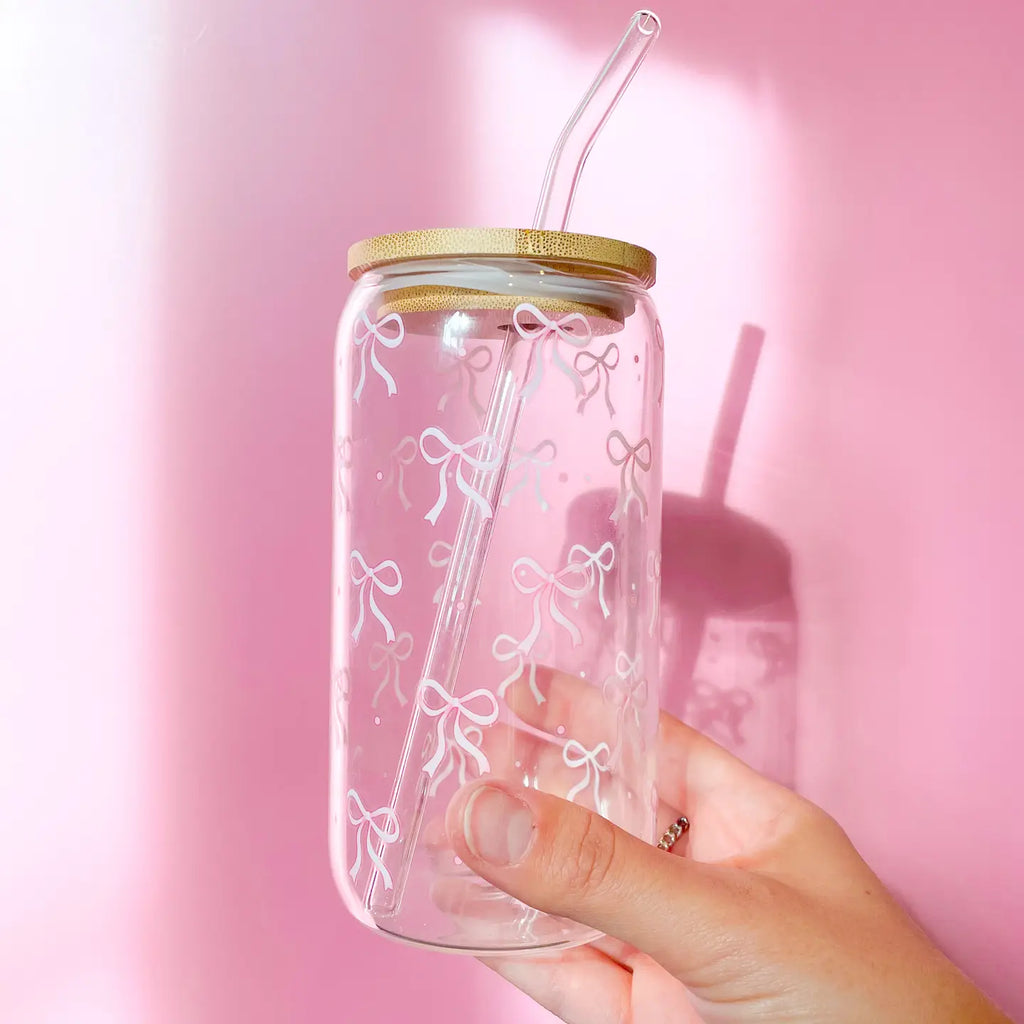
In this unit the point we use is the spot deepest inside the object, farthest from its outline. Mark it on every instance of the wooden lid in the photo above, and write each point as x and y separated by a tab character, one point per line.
587	252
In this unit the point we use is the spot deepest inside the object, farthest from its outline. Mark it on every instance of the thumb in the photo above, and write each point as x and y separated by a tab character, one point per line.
565	860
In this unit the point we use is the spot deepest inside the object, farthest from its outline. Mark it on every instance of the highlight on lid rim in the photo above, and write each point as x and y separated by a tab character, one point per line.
524	243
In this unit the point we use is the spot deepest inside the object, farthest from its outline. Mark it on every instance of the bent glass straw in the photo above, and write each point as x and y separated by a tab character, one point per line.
581	130
472	539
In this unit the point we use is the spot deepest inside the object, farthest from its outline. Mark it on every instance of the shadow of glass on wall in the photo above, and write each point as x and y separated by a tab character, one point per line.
729	632
728	624
728	618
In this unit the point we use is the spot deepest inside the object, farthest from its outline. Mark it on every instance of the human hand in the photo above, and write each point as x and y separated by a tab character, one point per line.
763	912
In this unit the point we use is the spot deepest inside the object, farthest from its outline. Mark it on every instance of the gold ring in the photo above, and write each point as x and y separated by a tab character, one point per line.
673	832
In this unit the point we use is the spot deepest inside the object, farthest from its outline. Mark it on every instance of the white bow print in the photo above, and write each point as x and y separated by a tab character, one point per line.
654	578
390	657
366	335
366	822
626	689
525	922
627	668
343	463
586	363
575	755
487	459
365	579
532	325
529	464
597	562
439	556
659	338
529	578
508	648
468	366
457	708
629	457
401	456
456	759
342	685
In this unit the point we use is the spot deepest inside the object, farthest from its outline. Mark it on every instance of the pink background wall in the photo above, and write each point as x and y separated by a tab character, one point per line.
180	183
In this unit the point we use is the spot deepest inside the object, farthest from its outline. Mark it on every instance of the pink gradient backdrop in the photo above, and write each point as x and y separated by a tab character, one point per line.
181	182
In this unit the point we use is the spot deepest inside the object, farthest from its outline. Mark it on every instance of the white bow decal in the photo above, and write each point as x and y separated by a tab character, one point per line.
366	822
630	458
572	582
599	563
456	760
343	463
627	668
654	578
586	363
390	657
532	325
400	458
575	755
659	338
508	648
467	367
627	690
365	579
528	465
481	453
456	708
439	556
525	922
390	332
342	685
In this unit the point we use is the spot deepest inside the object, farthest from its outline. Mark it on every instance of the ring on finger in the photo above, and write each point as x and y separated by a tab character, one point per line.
673	832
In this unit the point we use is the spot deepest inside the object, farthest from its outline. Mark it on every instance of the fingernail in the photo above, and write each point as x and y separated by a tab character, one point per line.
498	827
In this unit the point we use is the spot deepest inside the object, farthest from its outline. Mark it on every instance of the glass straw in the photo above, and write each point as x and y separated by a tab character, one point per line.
472	539
581	130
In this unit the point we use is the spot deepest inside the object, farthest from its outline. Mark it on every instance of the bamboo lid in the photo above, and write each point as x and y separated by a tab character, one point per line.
588	253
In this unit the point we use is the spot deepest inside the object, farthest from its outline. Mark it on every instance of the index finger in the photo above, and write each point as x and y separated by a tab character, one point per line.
694	771
691	768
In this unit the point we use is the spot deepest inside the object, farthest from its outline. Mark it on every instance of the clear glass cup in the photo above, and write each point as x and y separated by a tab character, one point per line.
555	685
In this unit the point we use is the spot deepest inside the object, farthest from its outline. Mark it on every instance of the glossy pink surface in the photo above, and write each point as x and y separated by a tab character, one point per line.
184	180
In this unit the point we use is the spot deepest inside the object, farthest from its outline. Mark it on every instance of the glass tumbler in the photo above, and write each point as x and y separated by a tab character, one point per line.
497	530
